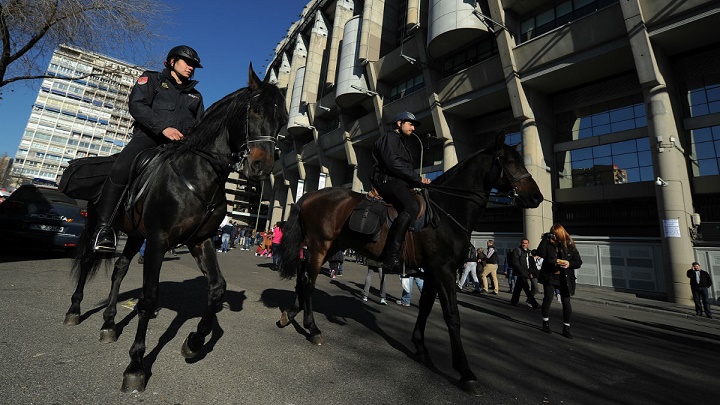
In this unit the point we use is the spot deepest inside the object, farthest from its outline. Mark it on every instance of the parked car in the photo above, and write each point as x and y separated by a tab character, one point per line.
35	217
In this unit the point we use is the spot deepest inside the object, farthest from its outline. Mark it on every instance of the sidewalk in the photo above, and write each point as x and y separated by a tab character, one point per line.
586	294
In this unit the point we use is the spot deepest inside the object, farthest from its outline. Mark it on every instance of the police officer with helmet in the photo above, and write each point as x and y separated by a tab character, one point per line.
165	106
394	178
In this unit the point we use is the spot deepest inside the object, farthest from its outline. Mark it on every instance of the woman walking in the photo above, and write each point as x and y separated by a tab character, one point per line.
560	259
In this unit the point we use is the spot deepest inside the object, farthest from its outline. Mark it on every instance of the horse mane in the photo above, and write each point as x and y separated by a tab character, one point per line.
215	119
459	169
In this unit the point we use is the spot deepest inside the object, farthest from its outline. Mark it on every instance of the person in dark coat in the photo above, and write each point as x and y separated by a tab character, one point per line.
699	284
523	264
560	259
394	178
165	106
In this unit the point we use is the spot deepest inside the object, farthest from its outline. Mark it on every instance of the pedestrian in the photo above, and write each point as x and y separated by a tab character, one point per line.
470	267
510	272
336	262
165	106
407	284
523	263
491	266
225	237
276	240
394	177
374	266
560	259
699	284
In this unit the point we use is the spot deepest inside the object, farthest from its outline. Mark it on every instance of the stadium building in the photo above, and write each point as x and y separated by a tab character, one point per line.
615	105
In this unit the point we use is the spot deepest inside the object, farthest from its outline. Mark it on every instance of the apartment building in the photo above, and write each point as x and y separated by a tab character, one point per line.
615	105
75	118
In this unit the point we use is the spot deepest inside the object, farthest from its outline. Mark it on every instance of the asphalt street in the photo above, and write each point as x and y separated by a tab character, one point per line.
627	350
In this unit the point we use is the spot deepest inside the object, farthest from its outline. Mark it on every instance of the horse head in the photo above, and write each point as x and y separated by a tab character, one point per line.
265	115
514	179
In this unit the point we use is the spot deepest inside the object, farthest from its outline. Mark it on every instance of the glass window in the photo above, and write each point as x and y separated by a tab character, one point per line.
615	163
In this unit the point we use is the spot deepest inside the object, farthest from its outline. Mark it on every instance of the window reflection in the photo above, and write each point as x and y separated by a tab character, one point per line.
615	163
706	151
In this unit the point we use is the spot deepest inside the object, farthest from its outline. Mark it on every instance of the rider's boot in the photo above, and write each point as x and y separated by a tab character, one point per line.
396	235
104	239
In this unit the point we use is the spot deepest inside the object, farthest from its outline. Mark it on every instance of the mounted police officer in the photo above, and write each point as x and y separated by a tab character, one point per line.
394	178
165	106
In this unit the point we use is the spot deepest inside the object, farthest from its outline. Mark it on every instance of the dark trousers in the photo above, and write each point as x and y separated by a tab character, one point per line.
399	195
549	296
120	172
523	283
700	296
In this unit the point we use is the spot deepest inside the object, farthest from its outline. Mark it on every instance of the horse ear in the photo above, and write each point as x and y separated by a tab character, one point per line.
254	81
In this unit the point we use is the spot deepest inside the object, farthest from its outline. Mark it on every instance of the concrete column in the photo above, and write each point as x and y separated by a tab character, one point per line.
299	60
536	220
372	20
316	50
343	12
443	132
352	162
674	200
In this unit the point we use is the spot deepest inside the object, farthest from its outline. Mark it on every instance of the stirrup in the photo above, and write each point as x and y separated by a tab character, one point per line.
108	245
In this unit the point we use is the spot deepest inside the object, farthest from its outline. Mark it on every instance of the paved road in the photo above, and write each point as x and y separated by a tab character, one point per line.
626	350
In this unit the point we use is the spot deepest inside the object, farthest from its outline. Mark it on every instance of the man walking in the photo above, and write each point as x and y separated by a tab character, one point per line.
523	263
699	284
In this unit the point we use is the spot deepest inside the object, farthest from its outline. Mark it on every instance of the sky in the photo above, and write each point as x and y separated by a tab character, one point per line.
227	34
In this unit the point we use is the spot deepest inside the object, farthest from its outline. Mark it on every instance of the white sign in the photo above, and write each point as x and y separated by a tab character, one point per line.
671	227
321	182
300	189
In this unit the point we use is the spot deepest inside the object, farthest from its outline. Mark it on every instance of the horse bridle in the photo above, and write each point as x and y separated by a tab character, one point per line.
241	156
512	194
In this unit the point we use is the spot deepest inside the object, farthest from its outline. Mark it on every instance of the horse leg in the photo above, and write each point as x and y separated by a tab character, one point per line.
289	314
134	374
427	300
206	258
72	316
448	300
306	284
108	334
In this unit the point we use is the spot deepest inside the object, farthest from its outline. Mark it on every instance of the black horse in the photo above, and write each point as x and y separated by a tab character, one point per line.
179	198
459	196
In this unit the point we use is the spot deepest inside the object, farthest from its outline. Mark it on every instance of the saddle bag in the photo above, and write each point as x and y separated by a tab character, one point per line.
367	218
83	179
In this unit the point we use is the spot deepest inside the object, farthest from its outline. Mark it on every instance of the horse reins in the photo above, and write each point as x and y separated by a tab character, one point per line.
475	196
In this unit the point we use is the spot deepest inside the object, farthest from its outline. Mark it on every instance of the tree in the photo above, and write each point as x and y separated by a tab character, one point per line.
31	30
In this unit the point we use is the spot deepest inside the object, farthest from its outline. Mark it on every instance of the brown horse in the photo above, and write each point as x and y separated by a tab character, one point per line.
459	196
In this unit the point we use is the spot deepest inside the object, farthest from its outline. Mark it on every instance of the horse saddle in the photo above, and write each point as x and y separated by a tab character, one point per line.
367	217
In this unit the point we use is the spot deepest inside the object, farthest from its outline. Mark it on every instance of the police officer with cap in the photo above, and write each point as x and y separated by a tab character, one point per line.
394	178
165	106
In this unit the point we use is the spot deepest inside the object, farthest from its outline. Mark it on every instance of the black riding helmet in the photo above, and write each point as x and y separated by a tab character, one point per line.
405	116
184	52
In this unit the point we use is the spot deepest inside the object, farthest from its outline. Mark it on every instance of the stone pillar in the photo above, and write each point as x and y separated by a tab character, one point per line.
674	200
536	220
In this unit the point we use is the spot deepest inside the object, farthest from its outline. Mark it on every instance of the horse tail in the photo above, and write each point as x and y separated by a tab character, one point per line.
292	239
87	261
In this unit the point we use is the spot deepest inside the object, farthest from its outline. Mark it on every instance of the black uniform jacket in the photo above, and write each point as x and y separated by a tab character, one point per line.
704	279
158	102
392	158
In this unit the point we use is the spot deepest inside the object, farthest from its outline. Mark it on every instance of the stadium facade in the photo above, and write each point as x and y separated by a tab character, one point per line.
615	105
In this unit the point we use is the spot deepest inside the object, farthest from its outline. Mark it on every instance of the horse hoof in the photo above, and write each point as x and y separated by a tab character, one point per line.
108	335
186	351
317	340
71	319
133	382
470	387
284	320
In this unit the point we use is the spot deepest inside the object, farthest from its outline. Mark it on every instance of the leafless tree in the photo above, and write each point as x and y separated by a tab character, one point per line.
32	29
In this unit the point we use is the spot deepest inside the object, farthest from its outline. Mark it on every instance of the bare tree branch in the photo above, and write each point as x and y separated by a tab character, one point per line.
30	30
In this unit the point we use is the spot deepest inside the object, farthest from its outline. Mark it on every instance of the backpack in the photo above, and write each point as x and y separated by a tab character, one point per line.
472	254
